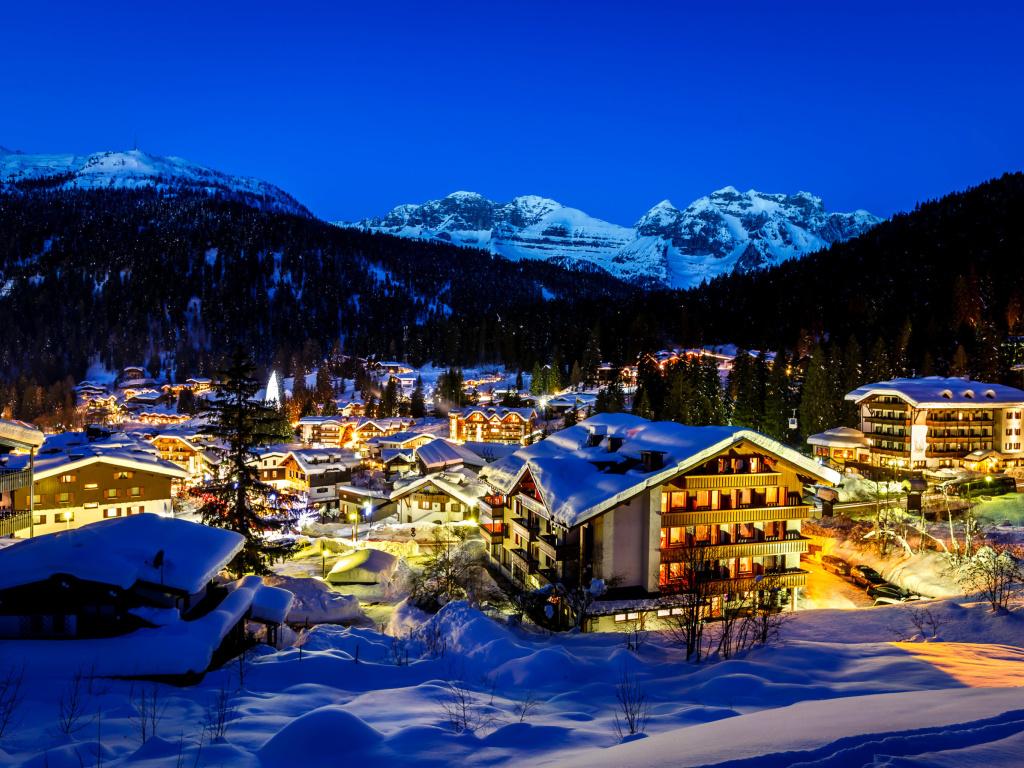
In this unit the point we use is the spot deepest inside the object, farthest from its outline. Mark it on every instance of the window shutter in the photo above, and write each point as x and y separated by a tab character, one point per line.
142	490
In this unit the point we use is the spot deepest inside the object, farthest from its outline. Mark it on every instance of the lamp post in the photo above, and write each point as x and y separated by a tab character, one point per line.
323	557
354	518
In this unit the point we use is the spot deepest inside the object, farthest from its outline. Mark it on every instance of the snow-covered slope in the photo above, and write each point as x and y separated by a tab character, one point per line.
114	170
725	231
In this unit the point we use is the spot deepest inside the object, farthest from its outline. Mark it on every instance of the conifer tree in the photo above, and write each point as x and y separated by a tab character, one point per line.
817	400
576	376
417	407
745	390
238	502
519	381
370	406
591	357
389	400
928	364
642	406
879	367
537	380
778	400
960	365
850	379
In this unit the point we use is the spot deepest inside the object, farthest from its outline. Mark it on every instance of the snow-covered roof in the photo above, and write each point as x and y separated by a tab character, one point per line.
271	604
490	451
18	434
840	437
120	551
319	460
441	453
500	412
71	450
939	392
461	484
388	455
401	438
574	489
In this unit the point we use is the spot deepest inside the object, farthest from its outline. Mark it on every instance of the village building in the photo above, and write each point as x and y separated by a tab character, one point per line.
841	448
493	424
314	472
441	497
82	478
114	577
27	440
934	422
620	498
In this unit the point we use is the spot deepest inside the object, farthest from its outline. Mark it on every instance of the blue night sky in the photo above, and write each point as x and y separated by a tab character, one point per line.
607	107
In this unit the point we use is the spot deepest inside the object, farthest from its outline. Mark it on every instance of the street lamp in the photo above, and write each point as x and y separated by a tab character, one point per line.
354	518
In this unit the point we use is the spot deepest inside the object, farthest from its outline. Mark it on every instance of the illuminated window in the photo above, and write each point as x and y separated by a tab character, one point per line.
67	478
91	486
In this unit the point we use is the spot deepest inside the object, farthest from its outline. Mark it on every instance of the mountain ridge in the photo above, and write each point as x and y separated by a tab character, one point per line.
133	169
720	233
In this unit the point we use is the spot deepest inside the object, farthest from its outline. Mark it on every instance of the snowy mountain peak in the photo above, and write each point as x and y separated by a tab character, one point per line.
725	231
135	168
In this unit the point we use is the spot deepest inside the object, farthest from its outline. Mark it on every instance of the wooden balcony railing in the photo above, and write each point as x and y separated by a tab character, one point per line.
524	560
549	545
529	502
14	520
729	480
744	515
738	549
492	533
794	577
527	532
12	479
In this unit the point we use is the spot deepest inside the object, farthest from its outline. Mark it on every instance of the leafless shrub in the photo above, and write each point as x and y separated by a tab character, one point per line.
396	653
634	708
764	622
220	712
924	618
12	698
459	706
635	636
524	707
488	682
433	643
242	664
73	702
994	575
147	704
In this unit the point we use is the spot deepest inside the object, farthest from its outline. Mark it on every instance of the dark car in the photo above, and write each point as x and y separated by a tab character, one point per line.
835	565
866	576
891	591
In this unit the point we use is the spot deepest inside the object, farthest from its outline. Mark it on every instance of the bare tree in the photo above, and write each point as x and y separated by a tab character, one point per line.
725	632
635	636
924	618
449	572
72	703
147	704
12	698
220	712
634	708
581	599
524	707
765	621
696	589
994	575
242	664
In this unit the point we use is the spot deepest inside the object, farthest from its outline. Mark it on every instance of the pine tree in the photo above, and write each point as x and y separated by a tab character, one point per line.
389	400
879	368
960	365
642	406
418	409
576	376
928	364
778	400
537	380
817	399
850	379
745	390
591	357
324	390
571	418
519	381
370	406
238	501
900	351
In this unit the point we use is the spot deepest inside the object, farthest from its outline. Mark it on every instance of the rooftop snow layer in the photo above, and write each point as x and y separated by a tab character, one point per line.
574	489
939	392
20	435
442	453
121	550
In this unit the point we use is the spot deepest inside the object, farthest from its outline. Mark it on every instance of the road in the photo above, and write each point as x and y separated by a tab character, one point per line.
826	590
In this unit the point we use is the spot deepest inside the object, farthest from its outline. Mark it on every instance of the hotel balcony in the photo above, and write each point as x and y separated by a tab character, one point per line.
792	544
894	420
492	533
748	514
12	479
549	545
522	559
527	532
493	506
14	520
529	502
974	420
728	480
792	577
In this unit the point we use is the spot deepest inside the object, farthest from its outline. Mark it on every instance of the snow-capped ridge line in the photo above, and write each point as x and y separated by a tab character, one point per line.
719	233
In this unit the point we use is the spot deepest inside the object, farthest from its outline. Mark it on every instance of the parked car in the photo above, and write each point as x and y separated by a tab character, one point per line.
892	591
835	565
866	576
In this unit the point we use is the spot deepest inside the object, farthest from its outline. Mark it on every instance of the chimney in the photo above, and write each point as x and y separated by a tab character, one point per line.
595	439
652	460
614	443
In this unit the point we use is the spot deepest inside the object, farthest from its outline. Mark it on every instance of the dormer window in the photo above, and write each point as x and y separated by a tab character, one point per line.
947	394
969	394
990	395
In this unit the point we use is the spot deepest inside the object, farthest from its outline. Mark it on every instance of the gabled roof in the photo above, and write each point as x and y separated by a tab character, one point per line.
442	453
574	489
461	484
120	551
500	412
403	438
939	392
71	450
316	461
